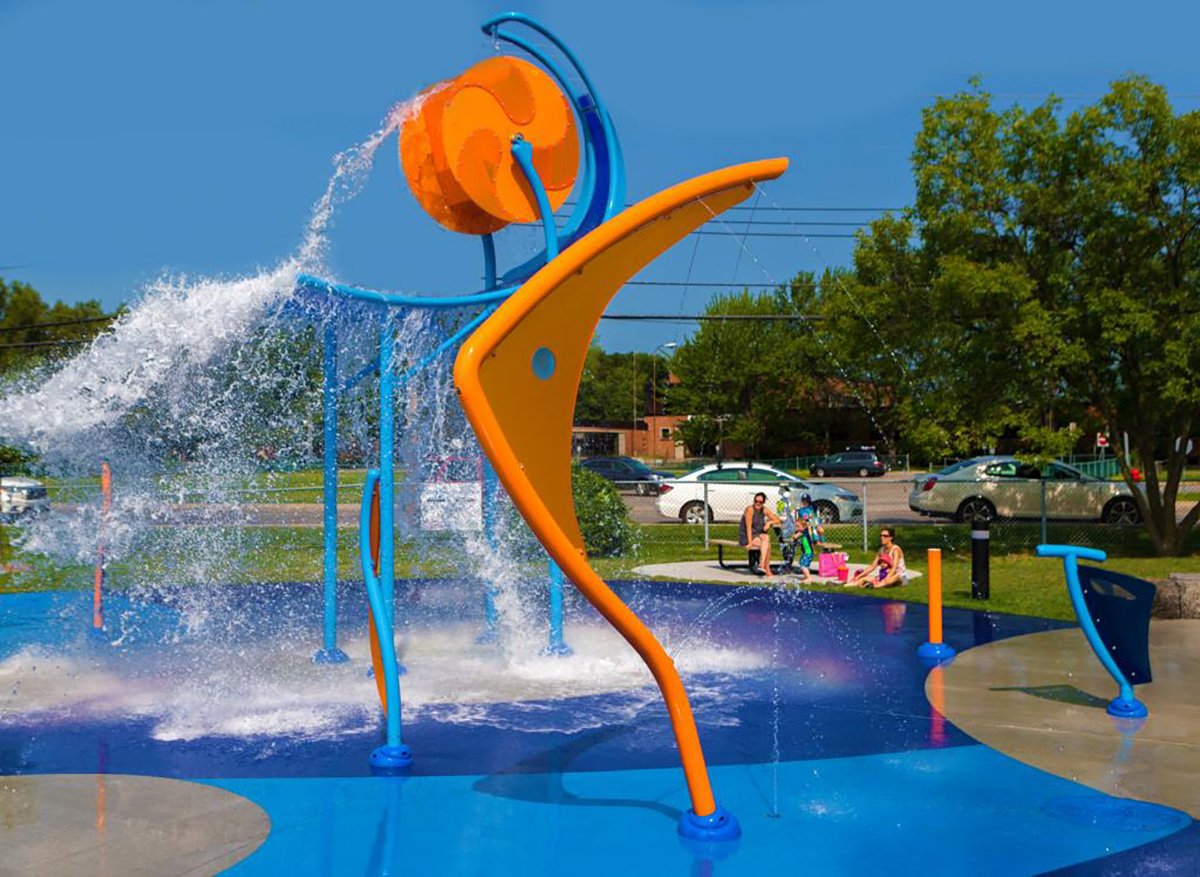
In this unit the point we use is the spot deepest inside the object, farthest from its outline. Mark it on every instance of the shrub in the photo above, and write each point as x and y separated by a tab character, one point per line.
603	517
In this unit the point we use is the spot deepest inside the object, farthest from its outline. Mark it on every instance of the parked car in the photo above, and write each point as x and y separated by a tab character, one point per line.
627	473
21	496
1004	487
860	463
731	487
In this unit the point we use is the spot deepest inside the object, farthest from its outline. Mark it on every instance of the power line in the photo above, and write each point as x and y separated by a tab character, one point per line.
697	283
45	343
77	322
771	234
803	209
741	222
715	318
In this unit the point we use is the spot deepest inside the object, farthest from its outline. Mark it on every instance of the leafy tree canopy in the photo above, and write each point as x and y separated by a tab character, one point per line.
1050	266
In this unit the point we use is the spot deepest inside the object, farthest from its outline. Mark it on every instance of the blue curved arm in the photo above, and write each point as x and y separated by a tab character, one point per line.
522	151
316	284
1070	555
1072	551
383	624
602	194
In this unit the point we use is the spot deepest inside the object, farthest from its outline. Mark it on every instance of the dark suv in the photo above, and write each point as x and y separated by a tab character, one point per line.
628	473
860	463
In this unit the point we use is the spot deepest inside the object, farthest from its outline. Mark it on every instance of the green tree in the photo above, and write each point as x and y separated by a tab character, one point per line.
741	380
26	341
1050	267
615	385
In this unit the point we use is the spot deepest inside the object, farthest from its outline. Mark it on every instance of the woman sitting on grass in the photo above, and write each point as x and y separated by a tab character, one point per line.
887	570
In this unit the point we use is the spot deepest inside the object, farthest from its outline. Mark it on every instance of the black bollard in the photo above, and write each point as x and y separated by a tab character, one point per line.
980	559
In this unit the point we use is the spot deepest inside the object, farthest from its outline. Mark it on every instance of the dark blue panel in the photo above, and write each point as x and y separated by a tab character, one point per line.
1120	606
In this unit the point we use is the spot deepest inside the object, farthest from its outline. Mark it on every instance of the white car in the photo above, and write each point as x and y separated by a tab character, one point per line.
1004	487
22	496
731	487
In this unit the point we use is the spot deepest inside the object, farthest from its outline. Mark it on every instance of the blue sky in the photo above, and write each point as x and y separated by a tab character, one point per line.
194	137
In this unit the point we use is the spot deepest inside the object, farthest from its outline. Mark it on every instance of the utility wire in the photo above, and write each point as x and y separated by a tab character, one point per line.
773	234
45	343
77	322
715	318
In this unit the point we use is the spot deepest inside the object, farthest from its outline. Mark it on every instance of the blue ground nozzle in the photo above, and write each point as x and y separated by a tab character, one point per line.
1127	708
401	670
330	656
935	653
718	825
388	760
558	649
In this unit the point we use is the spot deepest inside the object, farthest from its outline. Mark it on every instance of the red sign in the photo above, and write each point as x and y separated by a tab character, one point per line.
1101	440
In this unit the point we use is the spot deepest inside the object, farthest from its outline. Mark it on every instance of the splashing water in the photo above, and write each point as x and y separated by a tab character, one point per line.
178	325
182	395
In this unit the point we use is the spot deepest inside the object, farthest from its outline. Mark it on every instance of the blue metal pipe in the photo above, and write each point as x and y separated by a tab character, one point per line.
450	342
379	610
489	262
522	151
556	646
369	369
330	653
387	472
315	284
491	504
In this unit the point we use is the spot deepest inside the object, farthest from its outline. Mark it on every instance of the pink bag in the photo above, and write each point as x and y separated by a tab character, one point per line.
827	565
843	574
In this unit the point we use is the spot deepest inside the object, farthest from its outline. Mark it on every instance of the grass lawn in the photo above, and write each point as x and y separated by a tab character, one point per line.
1020	583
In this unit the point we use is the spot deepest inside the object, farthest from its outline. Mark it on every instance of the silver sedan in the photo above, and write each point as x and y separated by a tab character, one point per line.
1004	487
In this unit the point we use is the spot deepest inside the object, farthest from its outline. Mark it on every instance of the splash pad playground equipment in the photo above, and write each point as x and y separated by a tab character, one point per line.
496	145
815	719
1114	615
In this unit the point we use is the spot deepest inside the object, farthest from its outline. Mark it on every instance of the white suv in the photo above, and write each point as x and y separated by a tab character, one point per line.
731	487
22	496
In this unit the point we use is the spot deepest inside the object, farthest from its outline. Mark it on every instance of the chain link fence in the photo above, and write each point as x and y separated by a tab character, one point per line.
687	513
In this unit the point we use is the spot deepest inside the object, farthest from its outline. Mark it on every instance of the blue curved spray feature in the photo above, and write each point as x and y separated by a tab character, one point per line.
308	283
393	754
522	151
602	191
1125	705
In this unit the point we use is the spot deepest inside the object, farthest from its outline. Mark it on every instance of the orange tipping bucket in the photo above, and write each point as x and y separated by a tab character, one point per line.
455	150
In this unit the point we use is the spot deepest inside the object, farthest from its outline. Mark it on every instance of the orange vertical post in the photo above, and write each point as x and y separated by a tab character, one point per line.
105	505
935	595
935	649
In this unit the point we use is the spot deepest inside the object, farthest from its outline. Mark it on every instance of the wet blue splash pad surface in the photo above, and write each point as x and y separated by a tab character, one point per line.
811	709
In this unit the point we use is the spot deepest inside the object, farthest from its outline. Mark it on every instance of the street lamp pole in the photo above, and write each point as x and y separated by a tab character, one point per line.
670	345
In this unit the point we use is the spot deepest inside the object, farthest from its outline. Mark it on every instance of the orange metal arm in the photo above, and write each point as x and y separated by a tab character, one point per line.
518	377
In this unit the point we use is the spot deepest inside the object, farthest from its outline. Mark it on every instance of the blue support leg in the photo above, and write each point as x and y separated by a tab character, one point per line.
329	653
387	470
556	646
393	755
491	496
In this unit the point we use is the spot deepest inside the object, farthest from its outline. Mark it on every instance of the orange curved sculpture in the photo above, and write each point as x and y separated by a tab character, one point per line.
518	377
456	149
